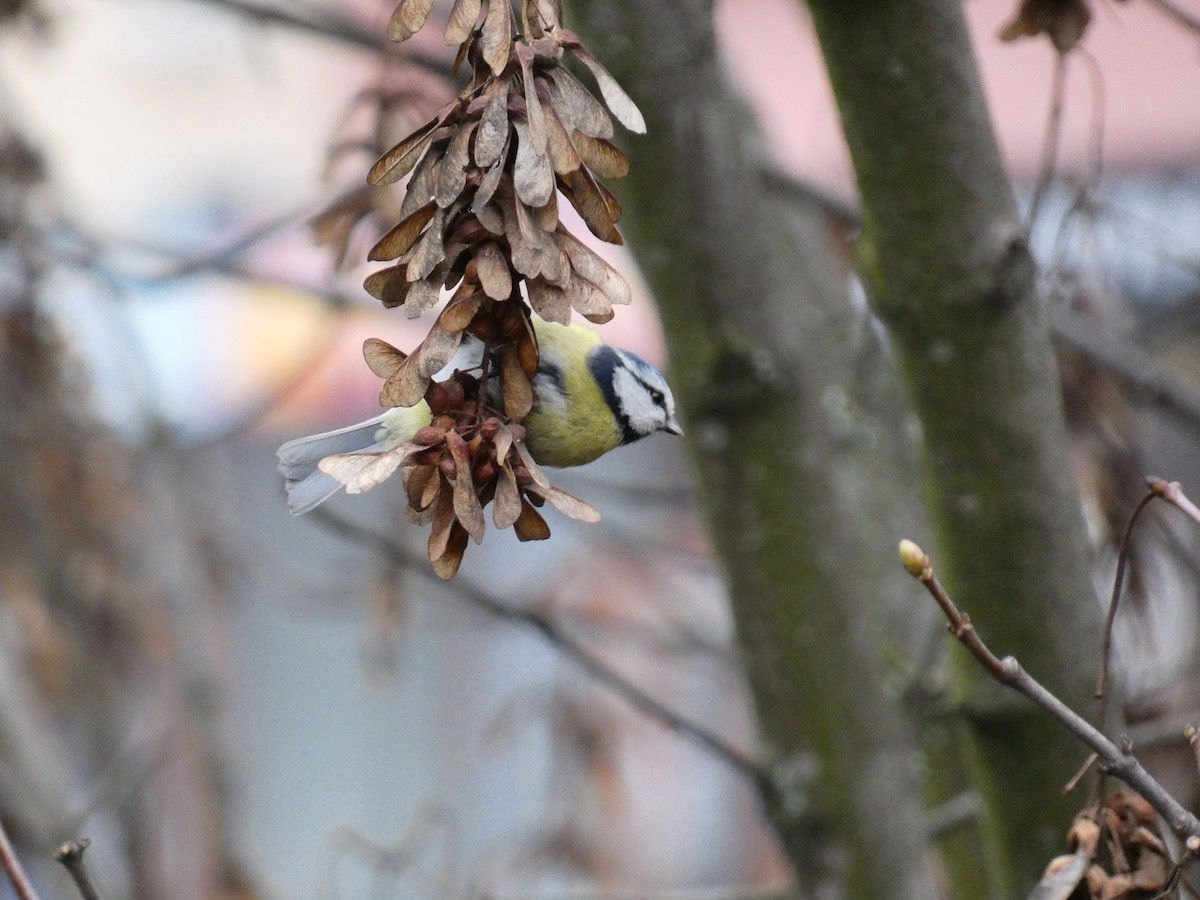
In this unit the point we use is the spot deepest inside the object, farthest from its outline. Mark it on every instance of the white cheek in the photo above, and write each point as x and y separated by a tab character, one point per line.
644	414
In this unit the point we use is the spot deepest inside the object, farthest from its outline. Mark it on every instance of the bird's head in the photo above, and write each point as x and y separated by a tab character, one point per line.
635	391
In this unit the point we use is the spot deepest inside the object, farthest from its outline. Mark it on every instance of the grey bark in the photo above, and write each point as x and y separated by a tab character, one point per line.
772	366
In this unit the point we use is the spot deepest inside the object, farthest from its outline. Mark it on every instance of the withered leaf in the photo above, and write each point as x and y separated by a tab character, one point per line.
588	300
419	189
575	105
546	217
406	386
422	295
429	250
546	12
360	472
563	155
408	19
452	170
507	503
530	526
443	520
491	182
416	483
400	238
590	266
601	156
491	218
398	161
1061	877
517	388
1063	21
389	285
619	102
462	20
466	503
527	351
494	274
591	204
491	136
549	301
382	358
533	104
460	310
533	176
497	35
567	504
446	566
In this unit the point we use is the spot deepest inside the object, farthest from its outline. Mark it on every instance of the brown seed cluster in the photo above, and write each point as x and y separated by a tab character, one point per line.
480	218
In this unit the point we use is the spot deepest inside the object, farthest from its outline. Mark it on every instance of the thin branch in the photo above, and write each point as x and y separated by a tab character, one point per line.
737	759
1173	494
1053	137
1116	761
70	855
333	27
1111	617
12	867
1180	15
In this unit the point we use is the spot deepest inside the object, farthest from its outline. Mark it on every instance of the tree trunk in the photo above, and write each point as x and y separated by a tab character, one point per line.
949	270
771	364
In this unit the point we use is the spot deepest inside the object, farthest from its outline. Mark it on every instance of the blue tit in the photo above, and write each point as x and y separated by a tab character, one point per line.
589	398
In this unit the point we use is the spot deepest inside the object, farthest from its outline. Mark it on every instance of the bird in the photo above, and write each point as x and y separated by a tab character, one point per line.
589	398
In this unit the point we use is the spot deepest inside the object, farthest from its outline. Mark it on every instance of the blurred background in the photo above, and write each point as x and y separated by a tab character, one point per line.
230	702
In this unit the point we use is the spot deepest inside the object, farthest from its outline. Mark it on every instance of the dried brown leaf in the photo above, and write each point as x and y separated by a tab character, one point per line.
443	521
460	310
423	294
549	301
491	136
619	103
466	503
419	189
390	285
429	250
546	217
1063	21
446	566
575	105
497	35
586	196
463	18
530	526
491	218
408	19
544	14
452	170
382	358
506	507
494	273
533	176
533	104
399	161
417	481
601	156
360	472
567	504
563	155
517	388
1061	877
590	266
401	237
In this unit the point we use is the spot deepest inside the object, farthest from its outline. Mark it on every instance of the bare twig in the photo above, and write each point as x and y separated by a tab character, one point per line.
70	855
1116	761
329	25
1111	617
1053	136
1173	494
1180	15
759	775
12	867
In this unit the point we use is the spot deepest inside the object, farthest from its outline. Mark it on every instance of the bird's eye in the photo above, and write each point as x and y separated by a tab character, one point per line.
656	396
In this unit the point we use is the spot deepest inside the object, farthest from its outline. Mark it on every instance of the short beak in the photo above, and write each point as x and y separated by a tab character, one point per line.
673	426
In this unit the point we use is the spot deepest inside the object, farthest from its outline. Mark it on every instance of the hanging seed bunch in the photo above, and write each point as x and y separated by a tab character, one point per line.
480	217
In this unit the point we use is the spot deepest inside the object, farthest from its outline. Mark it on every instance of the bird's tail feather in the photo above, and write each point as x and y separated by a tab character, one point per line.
307	486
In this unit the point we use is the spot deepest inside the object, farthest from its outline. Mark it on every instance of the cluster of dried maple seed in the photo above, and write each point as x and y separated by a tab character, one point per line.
480	217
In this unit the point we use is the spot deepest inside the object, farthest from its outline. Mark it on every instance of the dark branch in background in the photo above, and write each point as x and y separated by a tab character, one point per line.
1116	761
12	867
321	23
70	855
1180	15
759	776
